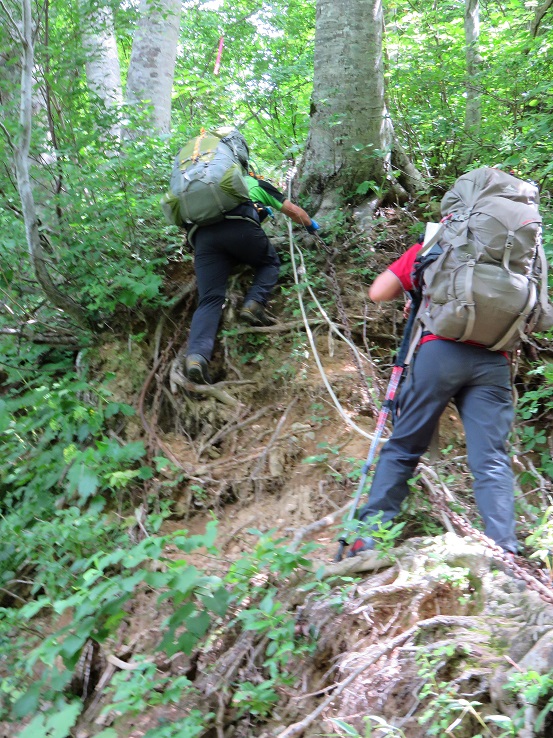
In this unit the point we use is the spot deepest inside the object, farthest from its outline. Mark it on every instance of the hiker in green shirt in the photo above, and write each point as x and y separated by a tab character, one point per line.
218	248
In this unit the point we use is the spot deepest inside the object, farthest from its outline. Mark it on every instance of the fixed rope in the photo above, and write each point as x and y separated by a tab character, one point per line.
359	354
301	286
330	254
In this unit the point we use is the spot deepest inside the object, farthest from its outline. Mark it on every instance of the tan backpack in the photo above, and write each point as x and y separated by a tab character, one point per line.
489	283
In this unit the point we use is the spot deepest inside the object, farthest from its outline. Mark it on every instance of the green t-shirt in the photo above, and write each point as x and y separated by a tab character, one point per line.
264	192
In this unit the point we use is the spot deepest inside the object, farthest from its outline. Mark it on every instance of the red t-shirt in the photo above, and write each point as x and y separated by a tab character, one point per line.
403	268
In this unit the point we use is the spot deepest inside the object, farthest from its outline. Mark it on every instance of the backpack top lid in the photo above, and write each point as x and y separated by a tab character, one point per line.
484	183
204	146
234	140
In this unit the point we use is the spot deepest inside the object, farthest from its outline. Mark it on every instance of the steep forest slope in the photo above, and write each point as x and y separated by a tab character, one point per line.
248	628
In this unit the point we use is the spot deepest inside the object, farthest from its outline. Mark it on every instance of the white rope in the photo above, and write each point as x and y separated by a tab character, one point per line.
331	324
311	338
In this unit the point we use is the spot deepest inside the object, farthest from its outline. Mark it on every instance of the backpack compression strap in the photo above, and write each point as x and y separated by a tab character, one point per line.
534	297
469	304
544	298
431	238
520	320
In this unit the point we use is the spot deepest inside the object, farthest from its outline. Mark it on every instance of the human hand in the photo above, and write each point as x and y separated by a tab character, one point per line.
312	227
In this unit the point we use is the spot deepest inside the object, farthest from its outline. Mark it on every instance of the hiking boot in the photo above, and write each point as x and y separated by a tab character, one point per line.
254	313
196	369
361	544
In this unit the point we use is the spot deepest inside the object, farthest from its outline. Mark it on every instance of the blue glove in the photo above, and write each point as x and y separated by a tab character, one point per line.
312	227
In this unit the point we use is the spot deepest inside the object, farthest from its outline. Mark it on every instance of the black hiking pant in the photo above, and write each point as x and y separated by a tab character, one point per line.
217	250
479	383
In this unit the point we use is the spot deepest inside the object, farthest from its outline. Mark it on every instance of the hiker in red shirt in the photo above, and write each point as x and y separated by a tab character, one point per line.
479	383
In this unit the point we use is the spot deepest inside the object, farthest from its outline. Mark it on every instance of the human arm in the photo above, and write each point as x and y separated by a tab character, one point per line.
397	278
385	287
264	192
295	213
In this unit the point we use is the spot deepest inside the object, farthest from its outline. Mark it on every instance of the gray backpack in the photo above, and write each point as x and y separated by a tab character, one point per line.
489	283
207	179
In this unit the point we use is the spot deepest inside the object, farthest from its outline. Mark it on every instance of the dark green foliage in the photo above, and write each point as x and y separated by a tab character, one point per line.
55	442
514	82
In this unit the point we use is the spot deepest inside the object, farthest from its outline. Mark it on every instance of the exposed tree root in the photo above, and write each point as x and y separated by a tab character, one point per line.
177	379
442	600
299	727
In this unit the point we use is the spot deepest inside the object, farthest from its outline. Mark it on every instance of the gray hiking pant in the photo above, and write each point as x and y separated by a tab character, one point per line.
479	382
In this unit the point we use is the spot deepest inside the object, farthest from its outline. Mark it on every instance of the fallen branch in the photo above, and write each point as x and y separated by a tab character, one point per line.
361	562
261	460
232	427
126	665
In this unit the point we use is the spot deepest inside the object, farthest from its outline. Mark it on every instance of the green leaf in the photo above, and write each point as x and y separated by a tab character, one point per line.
111	410
198	623
146	472
158	579
346	727
72	644
266	604
363	188
315	459
499	719
180	615
540	720
218	602
88	483
35	729
60	723
210	534
27	703
186	580
186	644
30	609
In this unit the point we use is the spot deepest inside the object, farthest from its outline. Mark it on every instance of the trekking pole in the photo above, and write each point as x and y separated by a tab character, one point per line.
391	390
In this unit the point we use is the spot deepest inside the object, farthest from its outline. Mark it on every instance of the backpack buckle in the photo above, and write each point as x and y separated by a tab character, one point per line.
459	217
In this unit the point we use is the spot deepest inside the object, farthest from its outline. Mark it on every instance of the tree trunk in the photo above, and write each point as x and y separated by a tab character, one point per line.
152	65
351	134
24	33
473	110
103	71
541	10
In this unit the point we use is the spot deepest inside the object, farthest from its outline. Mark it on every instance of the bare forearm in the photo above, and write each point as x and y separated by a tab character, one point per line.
295	213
